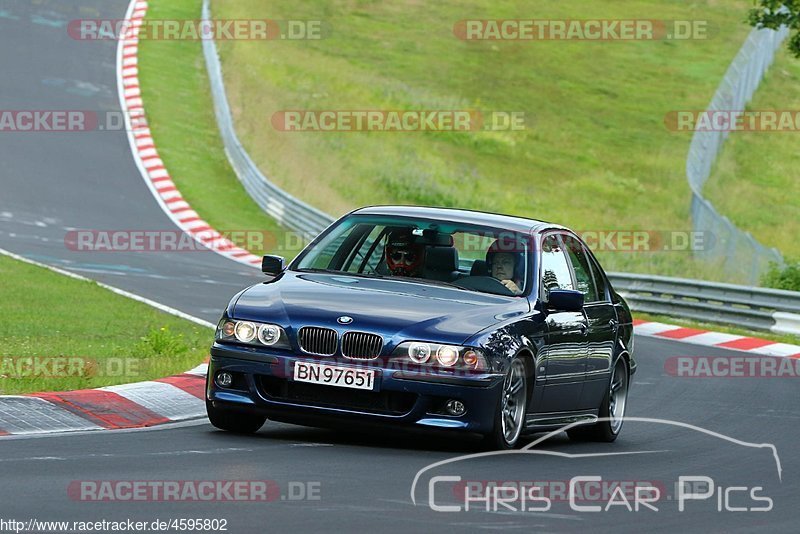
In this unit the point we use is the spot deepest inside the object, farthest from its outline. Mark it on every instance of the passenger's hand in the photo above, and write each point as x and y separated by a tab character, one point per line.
514	288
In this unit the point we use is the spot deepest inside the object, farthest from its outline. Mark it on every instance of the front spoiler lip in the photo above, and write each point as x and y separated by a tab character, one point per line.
478	392
356	421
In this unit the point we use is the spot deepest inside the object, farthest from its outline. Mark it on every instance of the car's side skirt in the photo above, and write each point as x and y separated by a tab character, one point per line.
545	421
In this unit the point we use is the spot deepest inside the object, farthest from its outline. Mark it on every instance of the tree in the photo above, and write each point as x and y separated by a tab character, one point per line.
774	13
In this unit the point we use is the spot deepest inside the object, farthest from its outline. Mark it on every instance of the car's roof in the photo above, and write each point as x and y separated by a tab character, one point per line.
509	222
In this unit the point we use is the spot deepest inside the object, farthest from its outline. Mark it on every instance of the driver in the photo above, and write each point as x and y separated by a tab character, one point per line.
505	261
404	257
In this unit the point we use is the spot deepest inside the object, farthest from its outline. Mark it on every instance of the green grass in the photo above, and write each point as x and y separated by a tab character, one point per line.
596	154
756	182
177	97
99	338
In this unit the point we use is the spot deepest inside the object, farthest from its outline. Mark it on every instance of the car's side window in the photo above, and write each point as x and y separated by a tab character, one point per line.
602	287
555	269
580	266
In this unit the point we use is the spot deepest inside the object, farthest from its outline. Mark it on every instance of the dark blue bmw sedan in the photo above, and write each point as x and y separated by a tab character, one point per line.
415	317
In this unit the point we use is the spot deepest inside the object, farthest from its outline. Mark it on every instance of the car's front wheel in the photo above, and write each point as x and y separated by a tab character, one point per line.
612	409
510	414
240	423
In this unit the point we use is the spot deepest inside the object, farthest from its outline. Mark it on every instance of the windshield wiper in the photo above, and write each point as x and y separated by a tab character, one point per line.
340	273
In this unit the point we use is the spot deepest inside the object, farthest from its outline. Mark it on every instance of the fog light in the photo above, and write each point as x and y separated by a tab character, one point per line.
455	407
224	379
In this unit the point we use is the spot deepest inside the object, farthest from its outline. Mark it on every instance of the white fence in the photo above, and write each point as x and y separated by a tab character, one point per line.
741	256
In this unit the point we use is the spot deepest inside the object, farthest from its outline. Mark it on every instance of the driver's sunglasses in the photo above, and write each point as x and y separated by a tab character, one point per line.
399	255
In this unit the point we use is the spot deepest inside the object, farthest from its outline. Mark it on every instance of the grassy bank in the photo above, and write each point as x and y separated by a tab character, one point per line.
595	153
177	97
61	334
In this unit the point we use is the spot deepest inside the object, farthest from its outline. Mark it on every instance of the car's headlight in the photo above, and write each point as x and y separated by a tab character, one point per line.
441	356
252	333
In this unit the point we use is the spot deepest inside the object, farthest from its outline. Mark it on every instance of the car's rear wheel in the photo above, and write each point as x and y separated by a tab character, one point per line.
510	415
612	409
240	423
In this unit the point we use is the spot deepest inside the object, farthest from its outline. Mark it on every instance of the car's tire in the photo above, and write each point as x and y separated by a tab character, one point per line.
511	407
240	423
612	408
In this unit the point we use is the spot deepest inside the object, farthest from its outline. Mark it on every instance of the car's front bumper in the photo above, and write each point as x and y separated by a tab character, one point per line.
401	397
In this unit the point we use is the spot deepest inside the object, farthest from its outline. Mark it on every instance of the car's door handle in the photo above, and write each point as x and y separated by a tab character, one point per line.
612	323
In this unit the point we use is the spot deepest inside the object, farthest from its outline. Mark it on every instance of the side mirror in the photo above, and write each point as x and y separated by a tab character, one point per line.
565	300
273	265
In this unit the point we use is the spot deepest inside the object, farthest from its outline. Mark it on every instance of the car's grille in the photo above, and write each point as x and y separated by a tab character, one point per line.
382	402
319	341
361	346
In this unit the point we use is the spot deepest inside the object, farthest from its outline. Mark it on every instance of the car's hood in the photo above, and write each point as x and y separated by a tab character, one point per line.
394	308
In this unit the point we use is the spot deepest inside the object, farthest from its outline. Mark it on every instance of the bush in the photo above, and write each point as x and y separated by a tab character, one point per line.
787	277
161	342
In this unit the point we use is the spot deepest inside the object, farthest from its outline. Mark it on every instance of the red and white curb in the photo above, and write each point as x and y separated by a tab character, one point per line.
181	397
752	345
138	405
146	155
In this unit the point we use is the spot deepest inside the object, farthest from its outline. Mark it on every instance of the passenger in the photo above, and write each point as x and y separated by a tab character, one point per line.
404	257
505	262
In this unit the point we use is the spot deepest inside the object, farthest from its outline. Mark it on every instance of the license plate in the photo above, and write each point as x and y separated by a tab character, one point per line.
330	375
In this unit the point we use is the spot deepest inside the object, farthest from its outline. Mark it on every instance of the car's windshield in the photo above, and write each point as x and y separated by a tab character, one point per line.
475	258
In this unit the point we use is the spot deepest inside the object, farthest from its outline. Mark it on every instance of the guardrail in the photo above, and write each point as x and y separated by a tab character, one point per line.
754	308
277	203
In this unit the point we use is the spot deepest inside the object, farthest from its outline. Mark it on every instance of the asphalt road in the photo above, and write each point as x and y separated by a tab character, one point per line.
54	182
